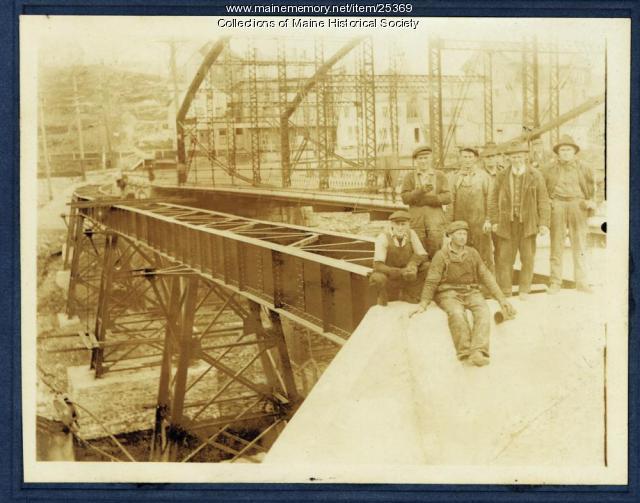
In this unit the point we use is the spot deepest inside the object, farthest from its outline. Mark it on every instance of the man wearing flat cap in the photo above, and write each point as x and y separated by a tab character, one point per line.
400	262
425	191
571	189
470	202
454	279
519	210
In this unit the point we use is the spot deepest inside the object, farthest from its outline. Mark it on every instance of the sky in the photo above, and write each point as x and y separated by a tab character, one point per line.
141	42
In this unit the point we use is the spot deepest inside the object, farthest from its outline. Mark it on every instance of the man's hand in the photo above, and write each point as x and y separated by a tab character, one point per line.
508	310
543	230
395	273
486	228
420	308
410	273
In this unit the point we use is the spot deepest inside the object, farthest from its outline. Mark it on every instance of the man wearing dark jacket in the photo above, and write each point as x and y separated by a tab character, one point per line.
571	189
493	165
400	262
454	279
426	190
519	210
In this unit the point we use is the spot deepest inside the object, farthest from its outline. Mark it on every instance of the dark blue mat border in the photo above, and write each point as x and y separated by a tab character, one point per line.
12	488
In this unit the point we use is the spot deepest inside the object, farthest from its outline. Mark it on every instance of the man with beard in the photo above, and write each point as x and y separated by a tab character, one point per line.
519	210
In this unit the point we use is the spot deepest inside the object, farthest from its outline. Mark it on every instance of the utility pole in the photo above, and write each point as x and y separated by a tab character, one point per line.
76	103
45	152
106	117
174	80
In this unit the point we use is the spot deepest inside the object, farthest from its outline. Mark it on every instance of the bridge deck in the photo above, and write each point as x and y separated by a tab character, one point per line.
395	394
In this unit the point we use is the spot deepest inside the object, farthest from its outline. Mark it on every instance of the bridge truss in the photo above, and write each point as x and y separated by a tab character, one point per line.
325	116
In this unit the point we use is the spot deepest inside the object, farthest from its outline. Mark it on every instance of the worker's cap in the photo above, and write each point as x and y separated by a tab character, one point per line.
490	149
456	226
516	148
566	140
400	216
421	149
473	150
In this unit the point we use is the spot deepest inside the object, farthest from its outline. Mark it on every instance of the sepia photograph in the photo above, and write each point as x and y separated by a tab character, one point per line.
294	246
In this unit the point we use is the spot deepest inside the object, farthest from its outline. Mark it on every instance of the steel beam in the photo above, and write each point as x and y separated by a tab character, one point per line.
488	96
283	99
321	144
103	311
562	119
247	261
85	267
310	83
210	122
229	114
369	113
554	94
210	59
253	115
176	428
435	100
394	132
530	108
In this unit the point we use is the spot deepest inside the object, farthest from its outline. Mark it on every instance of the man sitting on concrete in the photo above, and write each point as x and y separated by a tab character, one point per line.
454	278
400	262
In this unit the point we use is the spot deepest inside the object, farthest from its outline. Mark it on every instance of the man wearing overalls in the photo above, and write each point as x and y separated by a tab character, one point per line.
400	262
454	279
470	203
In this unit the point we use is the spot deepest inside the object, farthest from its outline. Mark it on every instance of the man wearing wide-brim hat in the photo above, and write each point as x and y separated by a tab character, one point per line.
400	262
519	210
493	159
425	191
454	279
470	202
571	189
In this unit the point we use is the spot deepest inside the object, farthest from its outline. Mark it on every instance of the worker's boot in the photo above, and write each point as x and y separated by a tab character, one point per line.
553	289
479	359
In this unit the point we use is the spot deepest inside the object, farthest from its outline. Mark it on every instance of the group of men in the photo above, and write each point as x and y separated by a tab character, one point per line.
491	209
